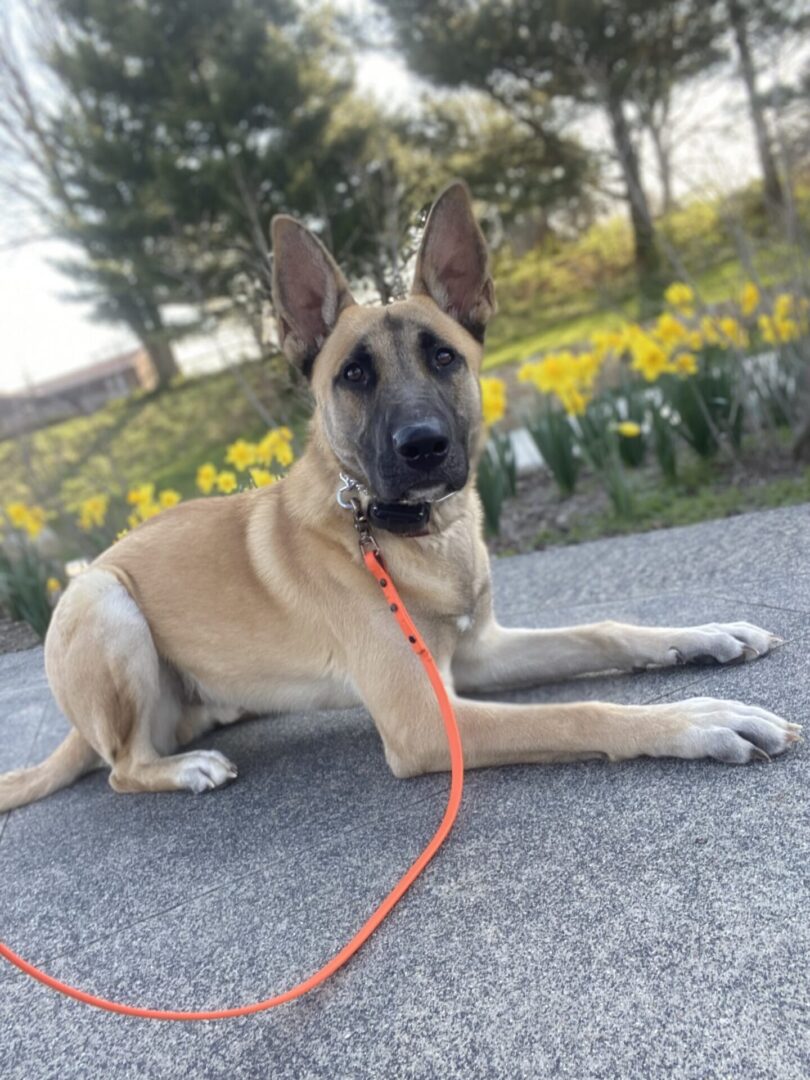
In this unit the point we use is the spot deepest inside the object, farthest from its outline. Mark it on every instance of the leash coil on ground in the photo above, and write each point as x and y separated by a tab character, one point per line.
375	565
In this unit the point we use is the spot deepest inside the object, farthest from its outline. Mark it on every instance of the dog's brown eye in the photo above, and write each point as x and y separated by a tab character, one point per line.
353	373
443	357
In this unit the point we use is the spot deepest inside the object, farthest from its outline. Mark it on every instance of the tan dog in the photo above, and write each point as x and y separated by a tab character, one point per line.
259	602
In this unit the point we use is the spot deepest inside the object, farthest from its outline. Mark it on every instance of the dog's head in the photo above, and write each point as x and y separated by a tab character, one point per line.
397	386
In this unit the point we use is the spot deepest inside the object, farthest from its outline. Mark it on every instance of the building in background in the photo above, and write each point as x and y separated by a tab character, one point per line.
76	393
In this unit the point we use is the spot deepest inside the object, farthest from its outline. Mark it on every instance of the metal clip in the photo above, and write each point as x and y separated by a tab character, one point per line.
348	497
348	486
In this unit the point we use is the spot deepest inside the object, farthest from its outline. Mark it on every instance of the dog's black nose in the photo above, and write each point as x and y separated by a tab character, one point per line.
423	445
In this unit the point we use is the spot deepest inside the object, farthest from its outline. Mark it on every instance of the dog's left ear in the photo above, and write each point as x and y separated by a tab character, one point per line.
453	265
309	291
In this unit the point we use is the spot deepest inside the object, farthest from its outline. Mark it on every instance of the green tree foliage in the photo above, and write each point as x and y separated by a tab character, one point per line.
175	129
527	53
397	163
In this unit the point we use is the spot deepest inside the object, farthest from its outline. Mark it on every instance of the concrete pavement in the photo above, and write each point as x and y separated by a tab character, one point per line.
648	919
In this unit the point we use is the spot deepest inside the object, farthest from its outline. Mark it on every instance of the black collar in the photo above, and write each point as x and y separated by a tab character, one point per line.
403	519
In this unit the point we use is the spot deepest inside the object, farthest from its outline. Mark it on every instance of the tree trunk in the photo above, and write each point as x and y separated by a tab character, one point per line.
647	258
664	163
163	359
774	195
144	318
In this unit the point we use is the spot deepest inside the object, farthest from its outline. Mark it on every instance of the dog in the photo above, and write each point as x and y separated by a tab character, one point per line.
260	602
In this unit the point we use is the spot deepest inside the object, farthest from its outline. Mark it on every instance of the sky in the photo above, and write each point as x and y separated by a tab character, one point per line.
44	333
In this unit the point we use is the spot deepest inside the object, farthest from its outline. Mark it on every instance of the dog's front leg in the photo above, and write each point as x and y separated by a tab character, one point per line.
492	657
394	687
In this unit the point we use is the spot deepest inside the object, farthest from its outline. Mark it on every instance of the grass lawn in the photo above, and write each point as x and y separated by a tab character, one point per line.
580	317
160	438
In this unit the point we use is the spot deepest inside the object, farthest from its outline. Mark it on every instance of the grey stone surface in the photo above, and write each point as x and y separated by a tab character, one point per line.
648	919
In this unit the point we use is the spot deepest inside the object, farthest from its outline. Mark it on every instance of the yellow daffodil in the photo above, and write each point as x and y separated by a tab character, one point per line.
749	299
670	331
695	340
36	521
568	377
648	357
17	513
604	342
779	331
147	510
586	369
226	482
28	519
710	331
681	296
550	375
767	327
169	497
276	446
93	512
787	329
733	332
493	399
53	586
140	495
207	477
629	429
241	455
783	307
573	401
262	477
685	363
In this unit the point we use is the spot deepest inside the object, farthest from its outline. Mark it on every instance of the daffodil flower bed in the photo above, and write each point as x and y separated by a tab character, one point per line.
32	574
691	378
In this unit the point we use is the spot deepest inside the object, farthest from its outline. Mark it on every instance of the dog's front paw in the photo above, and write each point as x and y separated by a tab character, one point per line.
202	770
720	643
727	731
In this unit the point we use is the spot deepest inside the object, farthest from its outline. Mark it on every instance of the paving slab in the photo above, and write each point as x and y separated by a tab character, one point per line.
646	919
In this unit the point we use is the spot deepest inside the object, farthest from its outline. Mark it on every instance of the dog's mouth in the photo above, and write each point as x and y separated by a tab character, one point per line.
427	492
399	487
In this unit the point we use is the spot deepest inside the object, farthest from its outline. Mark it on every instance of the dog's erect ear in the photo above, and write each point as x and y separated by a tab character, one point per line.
452	266
309	291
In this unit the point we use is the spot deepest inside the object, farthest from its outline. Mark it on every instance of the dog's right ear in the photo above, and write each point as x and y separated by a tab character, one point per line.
309	291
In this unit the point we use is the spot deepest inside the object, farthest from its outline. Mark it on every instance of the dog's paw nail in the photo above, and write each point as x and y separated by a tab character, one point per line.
749	652
757	754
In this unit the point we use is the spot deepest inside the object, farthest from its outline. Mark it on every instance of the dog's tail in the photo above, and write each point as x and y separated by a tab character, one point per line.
72	759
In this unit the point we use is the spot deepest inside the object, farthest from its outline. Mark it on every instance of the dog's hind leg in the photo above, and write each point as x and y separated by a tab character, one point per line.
71	759
107	677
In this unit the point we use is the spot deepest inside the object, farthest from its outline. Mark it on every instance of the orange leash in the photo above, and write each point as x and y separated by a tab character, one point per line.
376	567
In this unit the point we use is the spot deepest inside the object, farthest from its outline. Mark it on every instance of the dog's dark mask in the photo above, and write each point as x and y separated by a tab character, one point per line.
412	405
